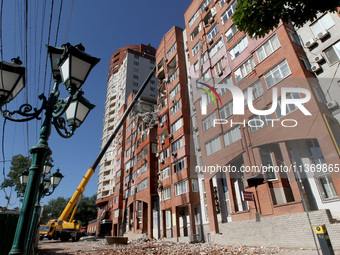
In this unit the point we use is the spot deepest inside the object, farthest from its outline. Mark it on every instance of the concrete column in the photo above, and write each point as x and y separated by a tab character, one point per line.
213	223
175	222
163	224
192	221
134	217
150	219
292	179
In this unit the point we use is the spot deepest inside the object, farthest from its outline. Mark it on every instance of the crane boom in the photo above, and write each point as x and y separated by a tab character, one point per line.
80	189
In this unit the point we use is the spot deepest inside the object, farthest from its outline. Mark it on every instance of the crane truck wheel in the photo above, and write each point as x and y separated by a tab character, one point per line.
64	237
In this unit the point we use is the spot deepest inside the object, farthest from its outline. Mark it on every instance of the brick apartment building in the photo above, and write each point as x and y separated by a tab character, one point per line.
159	184
179	189
219	53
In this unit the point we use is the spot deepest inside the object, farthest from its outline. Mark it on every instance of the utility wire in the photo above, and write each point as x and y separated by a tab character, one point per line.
48	43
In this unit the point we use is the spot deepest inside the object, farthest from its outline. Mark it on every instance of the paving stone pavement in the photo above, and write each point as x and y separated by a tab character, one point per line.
93	246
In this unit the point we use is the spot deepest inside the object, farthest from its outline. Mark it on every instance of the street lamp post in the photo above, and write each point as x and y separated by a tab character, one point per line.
46	188
71	65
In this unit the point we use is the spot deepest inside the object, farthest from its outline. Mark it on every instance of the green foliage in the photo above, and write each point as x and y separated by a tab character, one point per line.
19	164
258	17
86	211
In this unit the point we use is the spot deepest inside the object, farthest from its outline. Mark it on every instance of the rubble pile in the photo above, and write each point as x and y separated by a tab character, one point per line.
146	246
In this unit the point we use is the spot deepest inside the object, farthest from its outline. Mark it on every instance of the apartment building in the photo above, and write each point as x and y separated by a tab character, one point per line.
234	137
178	187
320	40
129	67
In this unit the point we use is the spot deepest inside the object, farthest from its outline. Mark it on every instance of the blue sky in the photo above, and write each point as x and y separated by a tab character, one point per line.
102	27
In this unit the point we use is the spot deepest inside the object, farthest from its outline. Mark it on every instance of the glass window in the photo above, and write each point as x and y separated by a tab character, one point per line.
208	121
277	74
174	91
228	13
181	187
179	165
322	24
166	193
212	32
232	136
268	48
238	48
176	125
333	53
246	68
267	161
177	144
226	110
231	32
165	173
213	146
175	108
289	107
258	121
256	89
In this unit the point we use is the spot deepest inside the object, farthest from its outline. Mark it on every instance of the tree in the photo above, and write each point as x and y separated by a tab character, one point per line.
19	164
86	211
258	17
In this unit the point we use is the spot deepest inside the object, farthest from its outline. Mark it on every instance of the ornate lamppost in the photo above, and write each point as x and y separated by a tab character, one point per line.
71	66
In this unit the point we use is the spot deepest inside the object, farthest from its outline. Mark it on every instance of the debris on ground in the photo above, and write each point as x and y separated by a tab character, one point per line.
93	245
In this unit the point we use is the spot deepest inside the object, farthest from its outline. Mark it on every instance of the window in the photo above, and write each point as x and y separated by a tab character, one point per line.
132	190
245	69
294	37
326	187
231	32
333	53
139	171
117	186
196	66
164	154
256	89
164	118
136	57
142	185
213	146
175	108
177	144
118	174
116	213
305	63
204	4
136	63
215	48
145	167
228	13
258	121
171	50
232	136
116	199
174	92
267	161
319	93
196	48
208	121
176	125
135	84
165	173
277	74
226	110
178	165
193	18
145	151
268	48
166	193
212	32
181	187
289	107
194	185
127	153
127	193
322	24
195	32
173	76
238	48
227	80
139	209
206	76
218	68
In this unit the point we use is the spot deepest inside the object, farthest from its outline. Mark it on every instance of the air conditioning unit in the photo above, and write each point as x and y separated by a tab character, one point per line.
161	125
165	60
206	8
198	147
166	80
162	141
311	42
332	105
316	67
157	154
323	34
174	154
174	101
219	72
162	161
318	58
211	20
195	128
125	184
210	42
170	136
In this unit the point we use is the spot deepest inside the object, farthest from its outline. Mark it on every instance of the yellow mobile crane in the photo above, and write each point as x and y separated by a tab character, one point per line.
64	229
